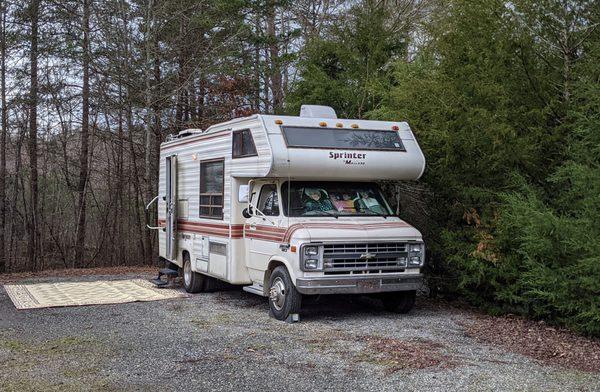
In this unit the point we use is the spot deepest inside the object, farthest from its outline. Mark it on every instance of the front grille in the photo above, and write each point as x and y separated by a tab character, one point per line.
364	257
375	247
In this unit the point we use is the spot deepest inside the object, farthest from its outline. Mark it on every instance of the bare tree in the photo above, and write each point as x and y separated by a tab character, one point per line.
34	10
85	124
3	135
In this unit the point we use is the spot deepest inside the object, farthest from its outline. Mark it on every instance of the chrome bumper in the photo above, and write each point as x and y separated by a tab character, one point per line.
361	284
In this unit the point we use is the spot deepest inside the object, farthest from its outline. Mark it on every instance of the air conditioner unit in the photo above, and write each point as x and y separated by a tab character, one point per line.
317	111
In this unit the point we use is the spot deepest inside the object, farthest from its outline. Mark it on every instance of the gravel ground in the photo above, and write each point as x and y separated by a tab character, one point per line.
226	341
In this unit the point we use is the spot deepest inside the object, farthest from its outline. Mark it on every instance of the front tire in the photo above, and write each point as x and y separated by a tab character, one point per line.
284	299
399	302
193	282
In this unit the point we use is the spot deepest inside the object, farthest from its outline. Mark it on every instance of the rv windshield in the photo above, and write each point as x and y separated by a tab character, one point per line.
332	198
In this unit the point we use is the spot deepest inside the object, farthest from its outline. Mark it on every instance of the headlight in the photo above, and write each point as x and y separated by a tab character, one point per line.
416	255
311	264
415	248
311	250
415	261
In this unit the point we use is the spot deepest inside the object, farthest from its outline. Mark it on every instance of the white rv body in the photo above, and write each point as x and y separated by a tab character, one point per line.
243	250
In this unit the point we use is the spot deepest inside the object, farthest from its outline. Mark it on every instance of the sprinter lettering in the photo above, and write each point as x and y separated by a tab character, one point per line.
347	155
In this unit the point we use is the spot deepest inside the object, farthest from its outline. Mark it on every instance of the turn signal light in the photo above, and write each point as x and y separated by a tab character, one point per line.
293	249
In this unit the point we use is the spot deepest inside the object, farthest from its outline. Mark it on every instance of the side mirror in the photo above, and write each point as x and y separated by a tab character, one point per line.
243	194
246	213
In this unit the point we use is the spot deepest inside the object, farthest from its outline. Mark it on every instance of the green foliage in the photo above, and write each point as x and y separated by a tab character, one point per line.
344	70
507	112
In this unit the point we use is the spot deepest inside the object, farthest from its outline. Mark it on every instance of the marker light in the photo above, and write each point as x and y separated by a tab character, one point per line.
339	125
395	128
354	125
323	124
293	249
278	122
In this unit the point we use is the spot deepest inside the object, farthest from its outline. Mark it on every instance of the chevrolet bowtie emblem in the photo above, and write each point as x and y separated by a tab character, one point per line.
368	256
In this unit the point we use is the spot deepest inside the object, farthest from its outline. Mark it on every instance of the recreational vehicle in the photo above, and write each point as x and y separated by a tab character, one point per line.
290	206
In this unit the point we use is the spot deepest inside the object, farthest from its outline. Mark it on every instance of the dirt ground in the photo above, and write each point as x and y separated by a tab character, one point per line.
226	341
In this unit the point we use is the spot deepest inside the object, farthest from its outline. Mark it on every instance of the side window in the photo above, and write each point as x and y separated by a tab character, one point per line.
211	188
243	144
268	201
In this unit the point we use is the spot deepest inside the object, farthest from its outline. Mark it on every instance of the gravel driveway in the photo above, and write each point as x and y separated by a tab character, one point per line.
226	341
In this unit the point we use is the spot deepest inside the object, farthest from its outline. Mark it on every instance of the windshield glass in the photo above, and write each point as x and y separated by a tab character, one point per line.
318	198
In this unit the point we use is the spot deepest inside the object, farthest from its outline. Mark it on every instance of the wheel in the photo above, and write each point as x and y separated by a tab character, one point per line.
284	299
399	302
192	281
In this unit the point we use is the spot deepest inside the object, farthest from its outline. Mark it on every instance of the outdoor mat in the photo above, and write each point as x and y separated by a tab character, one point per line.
100	292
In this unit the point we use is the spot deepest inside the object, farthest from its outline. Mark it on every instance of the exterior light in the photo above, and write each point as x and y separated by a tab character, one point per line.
395	128
354	125
311	264
278	122
339	125
323	124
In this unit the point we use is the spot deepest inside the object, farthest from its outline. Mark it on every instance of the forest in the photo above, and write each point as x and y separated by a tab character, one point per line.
504	97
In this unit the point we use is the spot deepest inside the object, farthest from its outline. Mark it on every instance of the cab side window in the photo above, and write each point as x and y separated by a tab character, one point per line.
268	201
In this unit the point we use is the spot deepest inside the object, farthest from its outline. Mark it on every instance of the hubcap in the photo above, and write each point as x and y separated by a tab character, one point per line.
277	293
187	273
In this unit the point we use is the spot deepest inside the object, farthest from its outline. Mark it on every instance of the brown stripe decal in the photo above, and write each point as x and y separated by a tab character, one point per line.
216	229
270	233
298	226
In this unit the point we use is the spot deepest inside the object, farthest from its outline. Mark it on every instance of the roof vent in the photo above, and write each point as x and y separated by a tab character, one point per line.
317	111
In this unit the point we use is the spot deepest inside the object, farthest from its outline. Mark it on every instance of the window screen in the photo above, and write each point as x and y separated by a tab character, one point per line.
243	144
339	138
211	189
268	202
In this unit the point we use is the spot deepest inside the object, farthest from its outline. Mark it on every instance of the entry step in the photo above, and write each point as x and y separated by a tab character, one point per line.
168	272
255	289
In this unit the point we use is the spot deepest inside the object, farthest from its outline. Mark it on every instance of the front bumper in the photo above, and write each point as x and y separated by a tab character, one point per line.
359	284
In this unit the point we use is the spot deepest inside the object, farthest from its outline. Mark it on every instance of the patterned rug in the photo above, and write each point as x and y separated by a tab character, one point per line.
100	292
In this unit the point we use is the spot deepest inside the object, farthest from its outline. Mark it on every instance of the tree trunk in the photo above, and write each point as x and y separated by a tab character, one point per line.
149	132
85	123
33	244
275	66
3	136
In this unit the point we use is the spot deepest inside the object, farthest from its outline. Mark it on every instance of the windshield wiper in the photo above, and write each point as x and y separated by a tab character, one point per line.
336	216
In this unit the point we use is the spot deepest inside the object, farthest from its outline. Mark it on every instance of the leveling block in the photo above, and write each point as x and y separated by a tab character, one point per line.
293	318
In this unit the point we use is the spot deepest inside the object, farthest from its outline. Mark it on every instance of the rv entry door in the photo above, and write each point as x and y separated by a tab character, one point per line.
171	205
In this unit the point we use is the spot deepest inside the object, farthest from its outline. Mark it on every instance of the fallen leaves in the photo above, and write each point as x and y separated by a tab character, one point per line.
558	347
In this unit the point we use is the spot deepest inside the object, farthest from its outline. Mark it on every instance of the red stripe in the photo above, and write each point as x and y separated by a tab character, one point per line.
297	226
270	233
268	228
264	237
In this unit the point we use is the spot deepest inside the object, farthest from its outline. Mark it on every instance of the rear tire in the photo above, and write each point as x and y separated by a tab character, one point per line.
399	302
284	299
193	282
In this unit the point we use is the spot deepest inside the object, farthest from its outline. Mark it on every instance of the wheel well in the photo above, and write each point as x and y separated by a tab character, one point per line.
272	265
